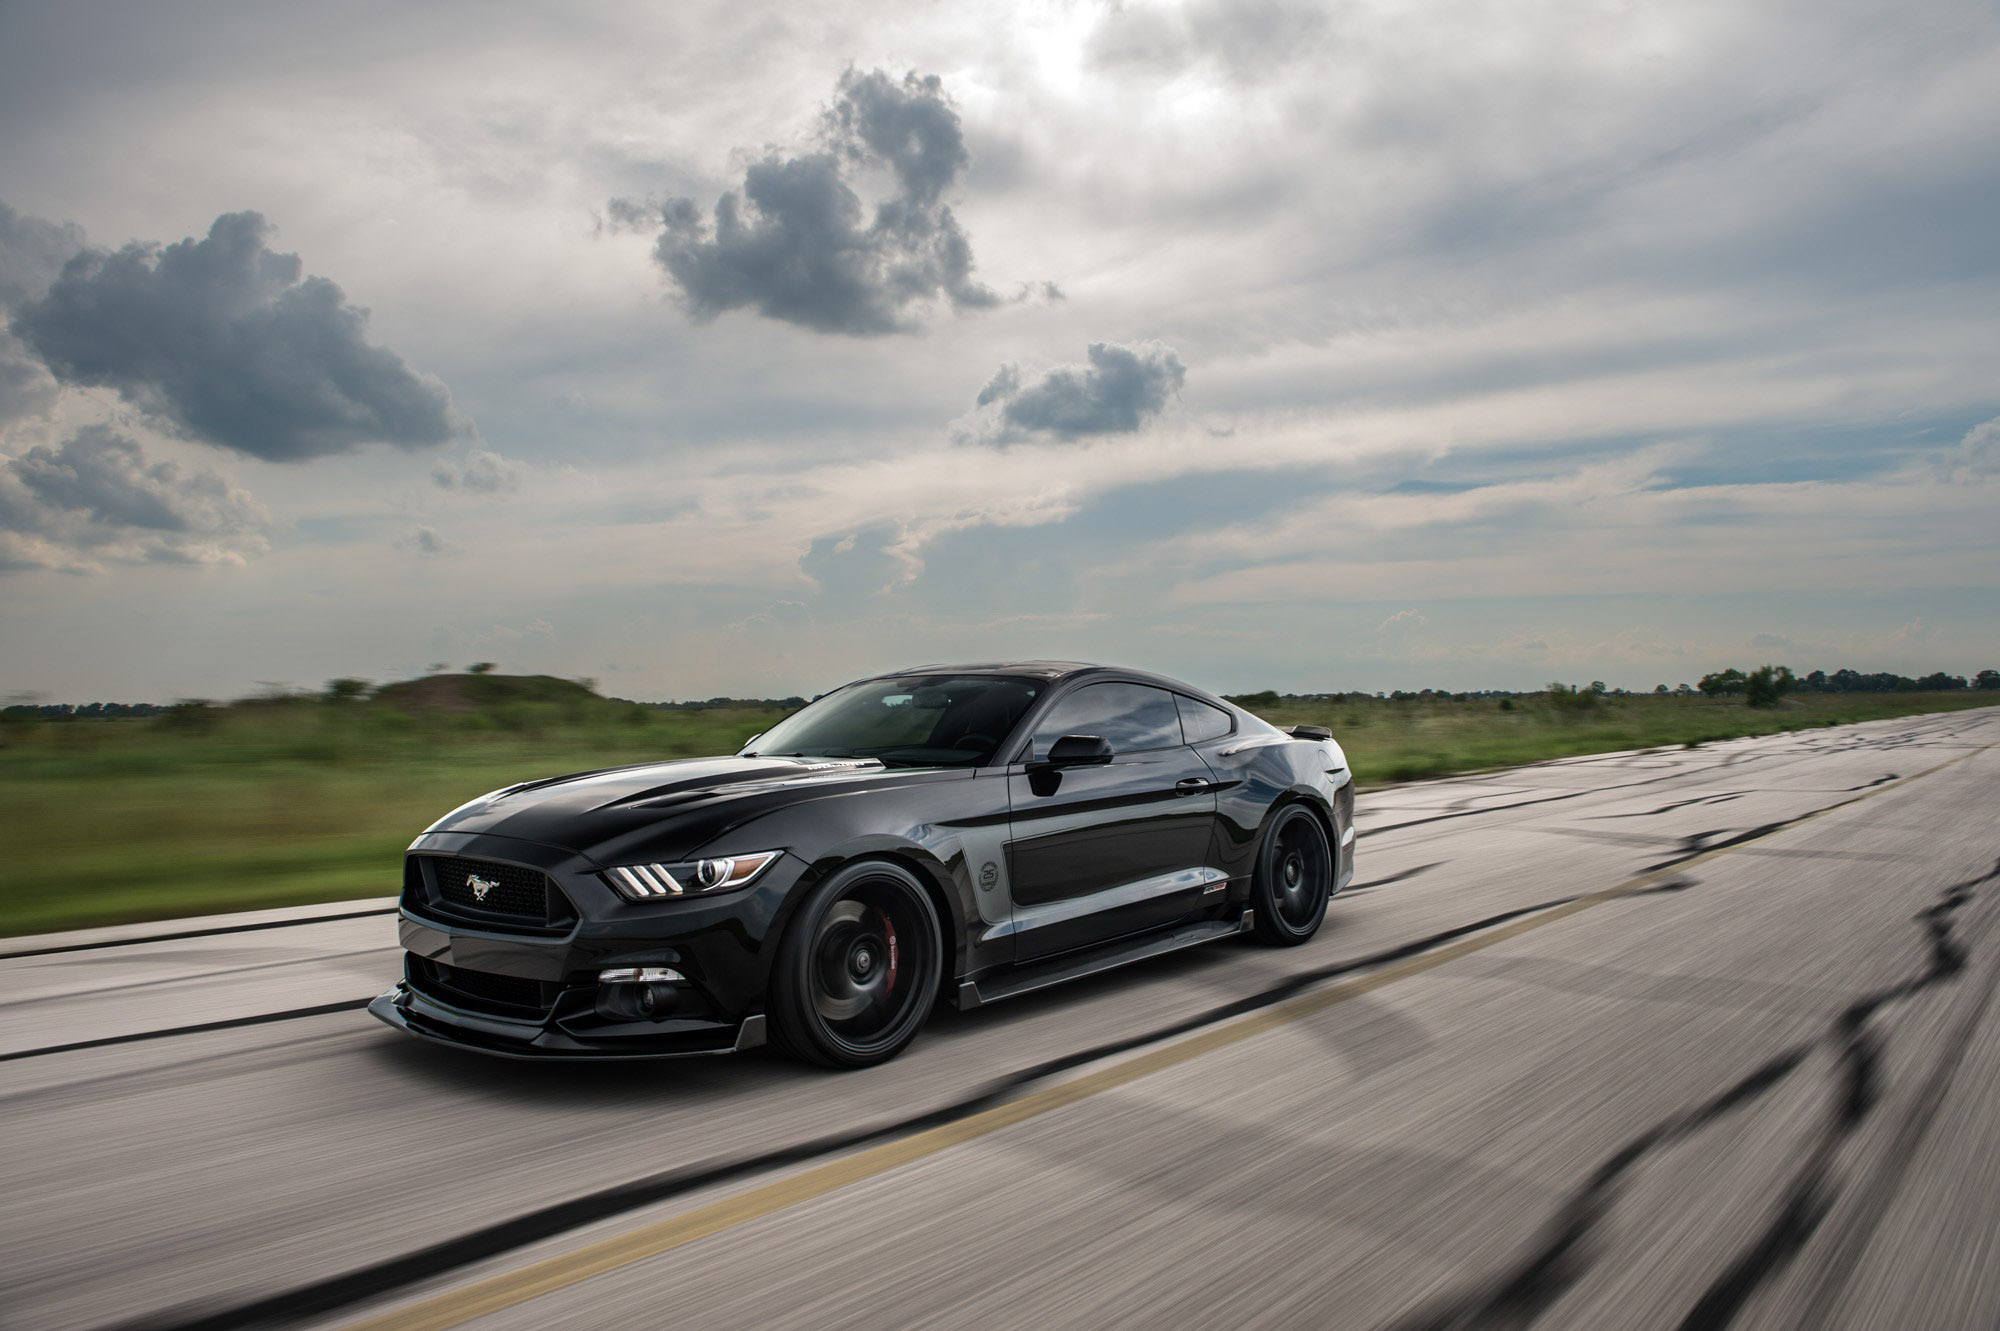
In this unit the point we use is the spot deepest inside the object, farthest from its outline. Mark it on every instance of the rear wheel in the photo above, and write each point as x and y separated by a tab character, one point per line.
1294	878
857	971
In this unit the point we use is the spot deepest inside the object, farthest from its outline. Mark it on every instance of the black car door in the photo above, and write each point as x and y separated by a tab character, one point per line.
1098	851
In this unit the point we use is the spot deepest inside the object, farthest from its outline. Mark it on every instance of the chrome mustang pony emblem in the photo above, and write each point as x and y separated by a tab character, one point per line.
480	886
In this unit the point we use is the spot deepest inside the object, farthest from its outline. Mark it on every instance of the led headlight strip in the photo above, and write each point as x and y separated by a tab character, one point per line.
722	873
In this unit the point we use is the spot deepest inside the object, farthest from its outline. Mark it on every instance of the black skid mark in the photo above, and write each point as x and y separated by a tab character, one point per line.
1813	1189
1645	840
1448	816
1721	797
1569	1243
1696	844
1678	883
1677	774
211	932
199	1028
1384	881
1875	1193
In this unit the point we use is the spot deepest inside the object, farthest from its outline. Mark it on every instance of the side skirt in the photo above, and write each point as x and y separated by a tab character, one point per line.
1019	980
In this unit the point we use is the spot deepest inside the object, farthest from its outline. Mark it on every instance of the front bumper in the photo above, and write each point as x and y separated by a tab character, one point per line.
532	992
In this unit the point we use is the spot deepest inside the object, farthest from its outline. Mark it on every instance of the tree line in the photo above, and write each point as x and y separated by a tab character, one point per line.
1766	684
1760	687
63	711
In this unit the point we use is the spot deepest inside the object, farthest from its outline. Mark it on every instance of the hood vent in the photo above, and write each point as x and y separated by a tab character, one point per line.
850	764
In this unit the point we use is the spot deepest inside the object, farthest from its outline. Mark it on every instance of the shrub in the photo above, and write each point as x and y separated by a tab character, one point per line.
1568	698
1763	686
1262	698
191	715
1722	682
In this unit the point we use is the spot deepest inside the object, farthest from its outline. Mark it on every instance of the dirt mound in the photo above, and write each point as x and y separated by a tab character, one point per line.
460	694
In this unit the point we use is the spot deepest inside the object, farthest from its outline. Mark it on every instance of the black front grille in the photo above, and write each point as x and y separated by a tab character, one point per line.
487	885
502	995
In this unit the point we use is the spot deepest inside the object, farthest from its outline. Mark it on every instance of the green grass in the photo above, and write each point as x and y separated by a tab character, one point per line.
288	802
110	821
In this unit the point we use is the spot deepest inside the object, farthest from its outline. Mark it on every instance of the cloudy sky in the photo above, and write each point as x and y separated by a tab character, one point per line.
705	348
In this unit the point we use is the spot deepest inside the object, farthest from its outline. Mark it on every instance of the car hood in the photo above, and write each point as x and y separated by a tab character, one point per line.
589	811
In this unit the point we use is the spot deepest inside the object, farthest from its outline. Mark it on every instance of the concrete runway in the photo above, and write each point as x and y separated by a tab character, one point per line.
1686	1038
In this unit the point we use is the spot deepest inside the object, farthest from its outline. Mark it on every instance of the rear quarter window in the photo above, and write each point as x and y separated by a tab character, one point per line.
1199	721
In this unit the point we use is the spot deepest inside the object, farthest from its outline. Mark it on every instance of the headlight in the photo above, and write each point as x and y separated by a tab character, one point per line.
721	873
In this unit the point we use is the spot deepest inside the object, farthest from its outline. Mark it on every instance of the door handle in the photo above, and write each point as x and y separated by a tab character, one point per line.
1191	785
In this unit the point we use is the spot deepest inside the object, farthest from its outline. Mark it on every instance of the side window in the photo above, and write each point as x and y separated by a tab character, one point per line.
1130	716
1199	721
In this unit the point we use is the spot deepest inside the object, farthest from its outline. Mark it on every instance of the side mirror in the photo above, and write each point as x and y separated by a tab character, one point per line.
1079	751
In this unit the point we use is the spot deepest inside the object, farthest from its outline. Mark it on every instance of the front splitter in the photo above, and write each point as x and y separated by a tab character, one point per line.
405	1011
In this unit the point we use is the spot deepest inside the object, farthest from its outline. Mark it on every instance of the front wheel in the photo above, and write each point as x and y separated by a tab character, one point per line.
1294	878
858	968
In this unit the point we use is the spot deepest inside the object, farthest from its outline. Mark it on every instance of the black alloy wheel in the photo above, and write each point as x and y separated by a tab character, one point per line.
1294	878
858	969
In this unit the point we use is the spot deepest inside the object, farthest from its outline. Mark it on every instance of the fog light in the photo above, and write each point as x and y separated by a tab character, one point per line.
641	975
645	992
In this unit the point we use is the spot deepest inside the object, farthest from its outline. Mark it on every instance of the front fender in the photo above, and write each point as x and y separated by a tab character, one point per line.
943	831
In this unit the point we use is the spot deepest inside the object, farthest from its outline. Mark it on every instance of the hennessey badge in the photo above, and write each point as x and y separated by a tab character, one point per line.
480	886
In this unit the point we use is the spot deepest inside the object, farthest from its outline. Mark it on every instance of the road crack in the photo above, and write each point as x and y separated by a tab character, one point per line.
1572	1241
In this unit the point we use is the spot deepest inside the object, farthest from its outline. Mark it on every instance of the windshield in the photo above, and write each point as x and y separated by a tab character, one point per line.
927	720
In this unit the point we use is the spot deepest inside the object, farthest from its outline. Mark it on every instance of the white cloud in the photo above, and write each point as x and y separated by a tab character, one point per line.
426	542
1977	456
481	471
96	500
1401	623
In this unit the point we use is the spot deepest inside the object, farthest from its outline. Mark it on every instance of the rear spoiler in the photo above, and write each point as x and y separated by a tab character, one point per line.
1309	732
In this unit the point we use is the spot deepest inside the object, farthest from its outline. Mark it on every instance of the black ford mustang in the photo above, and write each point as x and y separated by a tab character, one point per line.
976	831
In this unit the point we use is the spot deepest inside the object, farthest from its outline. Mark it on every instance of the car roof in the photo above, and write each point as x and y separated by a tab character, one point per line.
1052	671
1038	669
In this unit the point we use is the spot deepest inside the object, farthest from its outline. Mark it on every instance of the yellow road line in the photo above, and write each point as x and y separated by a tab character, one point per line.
495	1293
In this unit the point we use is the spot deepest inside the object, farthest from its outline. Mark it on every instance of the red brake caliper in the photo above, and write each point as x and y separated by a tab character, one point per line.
889	933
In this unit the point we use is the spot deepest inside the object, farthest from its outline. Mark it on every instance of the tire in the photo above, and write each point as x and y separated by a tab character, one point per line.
1294	878
857	971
